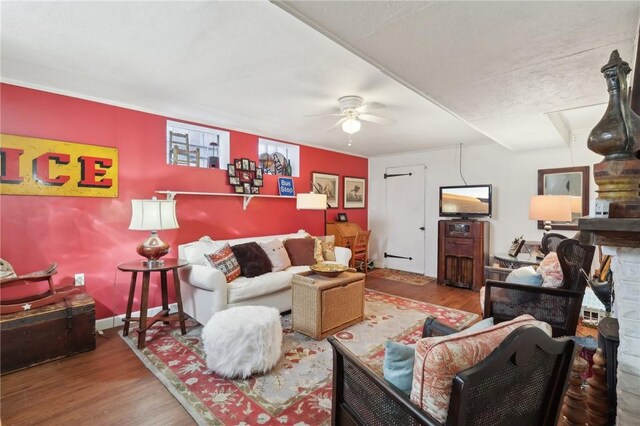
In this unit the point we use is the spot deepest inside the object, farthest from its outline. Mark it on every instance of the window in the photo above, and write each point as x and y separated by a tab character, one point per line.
277	157
196	146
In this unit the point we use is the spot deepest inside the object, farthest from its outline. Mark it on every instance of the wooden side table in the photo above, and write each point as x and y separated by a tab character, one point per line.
145	323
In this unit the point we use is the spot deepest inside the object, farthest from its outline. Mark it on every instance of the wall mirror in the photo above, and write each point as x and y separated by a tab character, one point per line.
572	181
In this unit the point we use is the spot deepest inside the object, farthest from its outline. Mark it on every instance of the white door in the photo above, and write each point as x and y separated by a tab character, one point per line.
405	187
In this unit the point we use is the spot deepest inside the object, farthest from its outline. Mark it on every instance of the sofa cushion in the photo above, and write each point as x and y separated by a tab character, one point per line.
244	288
252	259
317	250
277	255
224	260
300	251
194	252
439	359
551	271
525	275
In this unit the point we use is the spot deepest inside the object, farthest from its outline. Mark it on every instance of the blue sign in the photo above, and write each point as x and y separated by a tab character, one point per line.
285	187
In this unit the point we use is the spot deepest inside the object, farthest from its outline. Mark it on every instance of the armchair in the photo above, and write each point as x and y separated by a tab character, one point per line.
521	382
550	242
559	307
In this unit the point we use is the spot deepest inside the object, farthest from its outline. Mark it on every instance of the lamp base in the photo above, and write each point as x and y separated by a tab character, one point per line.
153	248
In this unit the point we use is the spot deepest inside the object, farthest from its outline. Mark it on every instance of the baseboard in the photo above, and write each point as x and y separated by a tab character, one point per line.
113	322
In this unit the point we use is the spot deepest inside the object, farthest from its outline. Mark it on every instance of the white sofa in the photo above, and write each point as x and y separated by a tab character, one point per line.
205	290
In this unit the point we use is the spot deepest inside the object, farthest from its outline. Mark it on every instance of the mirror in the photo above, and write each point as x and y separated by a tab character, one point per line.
572	181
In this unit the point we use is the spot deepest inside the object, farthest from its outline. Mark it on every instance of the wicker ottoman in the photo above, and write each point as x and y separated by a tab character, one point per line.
243	340
322	306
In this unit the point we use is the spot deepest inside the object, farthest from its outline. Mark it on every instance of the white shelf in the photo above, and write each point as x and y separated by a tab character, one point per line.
246	198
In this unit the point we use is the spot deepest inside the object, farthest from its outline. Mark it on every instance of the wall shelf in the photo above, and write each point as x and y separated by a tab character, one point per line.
246	198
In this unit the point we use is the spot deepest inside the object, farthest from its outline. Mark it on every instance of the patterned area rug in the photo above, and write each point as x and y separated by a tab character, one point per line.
298	390
402	276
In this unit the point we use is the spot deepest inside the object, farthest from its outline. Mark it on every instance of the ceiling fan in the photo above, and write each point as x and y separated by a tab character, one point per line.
353	110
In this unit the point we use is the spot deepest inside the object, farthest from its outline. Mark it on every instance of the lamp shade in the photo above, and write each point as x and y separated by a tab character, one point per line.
311	201
153	215
550	207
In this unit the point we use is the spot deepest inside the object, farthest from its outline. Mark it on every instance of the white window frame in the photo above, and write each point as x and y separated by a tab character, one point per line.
224	138
293	151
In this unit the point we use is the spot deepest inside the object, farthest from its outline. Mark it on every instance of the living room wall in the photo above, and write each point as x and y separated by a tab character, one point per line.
514	176
91	235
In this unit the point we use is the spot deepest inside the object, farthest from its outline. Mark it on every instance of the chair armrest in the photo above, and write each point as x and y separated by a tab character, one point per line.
204	277
363	385
433	328
562	292
343	255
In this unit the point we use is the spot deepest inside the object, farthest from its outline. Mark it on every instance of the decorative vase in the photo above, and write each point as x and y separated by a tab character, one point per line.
617	137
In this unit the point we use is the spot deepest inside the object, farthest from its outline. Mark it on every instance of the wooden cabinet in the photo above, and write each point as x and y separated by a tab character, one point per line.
345	232
463	250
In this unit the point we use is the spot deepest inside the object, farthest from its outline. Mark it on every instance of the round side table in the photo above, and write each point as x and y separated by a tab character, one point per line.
145	323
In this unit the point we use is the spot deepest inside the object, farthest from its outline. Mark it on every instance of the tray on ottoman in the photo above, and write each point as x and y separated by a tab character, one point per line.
322	306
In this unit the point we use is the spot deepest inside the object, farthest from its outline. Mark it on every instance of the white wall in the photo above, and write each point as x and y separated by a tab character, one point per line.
514	177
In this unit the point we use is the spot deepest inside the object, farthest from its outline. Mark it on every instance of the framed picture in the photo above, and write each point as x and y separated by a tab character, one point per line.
239	189
245	164
245	176
247	188
324	183
354	192
238	164
259	173
255	190
252	166
231	169
257	182
234	180
342	217
516	247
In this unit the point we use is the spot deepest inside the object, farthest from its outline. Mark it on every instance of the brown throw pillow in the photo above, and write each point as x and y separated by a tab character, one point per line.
252	259
300	251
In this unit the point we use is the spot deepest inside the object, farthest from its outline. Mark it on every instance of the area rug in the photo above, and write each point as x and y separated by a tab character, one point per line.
402	276
298	390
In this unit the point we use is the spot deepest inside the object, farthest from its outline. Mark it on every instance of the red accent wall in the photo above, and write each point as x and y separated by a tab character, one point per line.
91	235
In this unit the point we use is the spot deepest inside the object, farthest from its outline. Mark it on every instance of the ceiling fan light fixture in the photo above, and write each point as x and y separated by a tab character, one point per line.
351	125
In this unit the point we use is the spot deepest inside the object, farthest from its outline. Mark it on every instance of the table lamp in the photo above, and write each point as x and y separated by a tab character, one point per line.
550	208
153	215
313	201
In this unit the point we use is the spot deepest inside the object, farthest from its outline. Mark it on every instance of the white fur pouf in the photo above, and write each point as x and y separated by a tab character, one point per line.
243	340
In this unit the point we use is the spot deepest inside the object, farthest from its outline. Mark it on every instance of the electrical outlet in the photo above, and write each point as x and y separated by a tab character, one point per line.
79	279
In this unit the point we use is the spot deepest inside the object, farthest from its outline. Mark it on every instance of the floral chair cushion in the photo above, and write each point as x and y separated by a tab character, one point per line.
439	359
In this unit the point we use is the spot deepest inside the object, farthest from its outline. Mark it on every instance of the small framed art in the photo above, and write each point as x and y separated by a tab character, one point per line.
324	183
354	192
342	217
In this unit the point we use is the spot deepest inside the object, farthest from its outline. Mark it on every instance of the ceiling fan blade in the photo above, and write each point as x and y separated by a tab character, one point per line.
337	124
375	119
337	114
370	107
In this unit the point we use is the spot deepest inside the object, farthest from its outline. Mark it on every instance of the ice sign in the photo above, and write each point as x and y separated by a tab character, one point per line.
285	187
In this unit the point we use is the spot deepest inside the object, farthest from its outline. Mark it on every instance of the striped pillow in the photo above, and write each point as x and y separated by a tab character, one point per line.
224	260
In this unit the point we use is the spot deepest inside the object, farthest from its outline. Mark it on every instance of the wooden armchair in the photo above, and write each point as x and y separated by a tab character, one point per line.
52	295
360	251
521	382
559	307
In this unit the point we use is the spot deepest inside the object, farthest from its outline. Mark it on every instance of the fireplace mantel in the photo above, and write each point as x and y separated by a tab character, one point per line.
610	232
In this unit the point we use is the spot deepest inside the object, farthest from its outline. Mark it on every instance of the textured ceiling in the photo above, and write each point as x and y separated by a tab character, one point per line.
462	72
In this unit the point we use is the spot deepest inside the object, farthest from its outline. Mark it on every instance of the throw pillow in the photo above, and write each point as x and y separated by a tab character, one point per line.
398	365
329	250
252	259
317	250
277	255
526	275
224	260
551	271
300	251
399	358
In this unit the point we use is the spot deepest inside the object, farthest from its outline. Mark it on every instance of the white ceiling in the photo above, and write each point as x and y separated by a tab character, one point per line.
463	72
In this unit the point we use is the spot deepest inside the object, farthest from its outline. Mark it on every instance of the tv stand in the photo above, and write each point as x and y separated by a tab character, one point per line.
463	250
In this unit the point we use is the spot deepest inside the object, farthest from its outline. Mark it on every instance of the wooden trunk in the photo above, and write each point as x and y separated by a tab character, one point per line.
54	331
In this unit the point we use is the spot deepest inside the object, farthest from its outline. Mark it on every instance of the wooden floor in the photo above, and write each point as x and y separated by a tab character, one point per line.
111	386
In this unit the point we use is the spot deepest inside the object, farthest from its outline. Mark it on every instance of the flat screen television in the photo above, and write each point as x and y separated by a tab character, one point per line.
465	201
